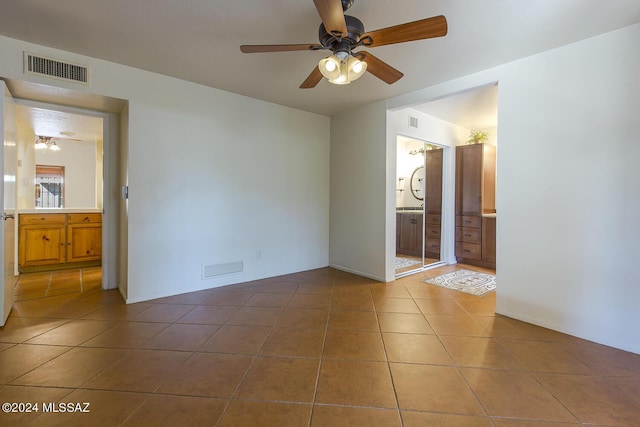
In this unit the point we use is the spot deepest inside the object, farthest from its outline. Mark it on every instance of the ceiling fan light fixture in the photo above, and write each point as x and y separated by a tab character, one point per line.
342	71
54	147
330	67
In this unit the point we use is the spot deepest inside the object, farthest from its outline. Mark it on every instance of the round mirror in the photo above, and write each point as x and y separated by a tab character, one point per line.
417	183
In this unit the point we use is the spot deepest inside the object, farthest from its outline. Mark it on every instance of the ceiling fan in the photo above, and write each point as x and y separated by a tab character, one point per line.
341	34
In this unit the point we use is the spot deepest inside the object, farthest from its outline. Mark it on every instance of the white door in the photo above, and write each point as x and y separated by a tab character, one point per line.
8	165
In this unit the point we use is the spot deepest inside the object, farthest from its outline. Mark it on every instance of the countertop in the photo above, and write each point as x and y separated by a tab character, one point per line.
59	210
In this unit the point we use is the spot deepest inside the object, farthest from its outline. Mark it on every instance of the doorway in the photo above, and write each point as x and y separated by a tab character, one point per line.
419	181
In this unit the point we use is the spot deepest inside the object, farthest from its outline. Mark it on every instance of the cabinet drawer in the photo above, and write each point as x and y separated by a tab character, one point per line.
432	246
468	234
37	219
432	232
471	221
85	218
468	250
432	219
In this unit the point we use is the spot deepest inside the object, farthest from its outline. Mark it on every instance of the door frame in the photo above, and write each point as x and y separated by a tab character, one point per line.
109	262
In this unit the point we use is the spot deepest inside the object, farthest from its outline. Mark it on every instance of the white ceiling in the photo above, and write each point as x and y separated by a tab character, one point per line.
59	125
198	40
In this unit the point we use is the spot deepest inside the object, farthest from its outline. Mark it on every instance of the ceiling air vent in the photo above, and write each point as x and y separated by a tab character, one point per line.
413	122
42	66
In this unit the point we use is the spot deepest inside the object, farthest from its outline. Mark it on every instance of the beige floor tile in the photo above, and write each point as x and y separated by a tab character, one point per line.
181	337
226	297
396	305
515	395
348	301
268	300
354	345
357	383
545	356
252	414
163	313
410	348
294	342
120	312
22	394
106	408
500	422
439	306
73	333
237	339
73	368
258	316
310	288
173	411
354	321
140	370
193	298
479	352
404	323
481	307
312	301
421	419
389	291
280	379
332	416
208	375
434	389
607	360
208	315
22	358
303	319
126	335
464	325
593	400
504	327
21	329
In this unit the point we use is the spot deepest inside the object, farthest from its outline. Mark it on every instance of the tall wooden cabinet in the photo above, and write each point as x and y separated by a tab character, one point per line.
475	196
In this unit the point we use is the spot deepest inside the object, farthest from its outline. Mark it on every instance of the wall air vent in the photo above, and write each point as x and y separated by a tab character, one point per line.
413	122
39	65
213	270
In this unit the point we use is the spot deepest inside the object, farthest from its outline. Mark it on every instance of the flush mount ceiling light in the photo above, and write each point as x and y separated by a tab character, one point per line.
342	34
46	142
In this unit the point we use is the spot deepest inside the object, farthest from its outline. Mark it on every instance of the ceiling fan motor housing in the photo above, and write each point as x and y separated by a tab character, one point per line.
355	28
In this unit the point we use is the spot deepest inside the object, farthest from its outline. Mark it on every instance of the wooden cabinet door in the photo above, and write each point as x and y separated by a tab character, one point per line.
489	239
41	244
433	181
84	242
411	234
469	179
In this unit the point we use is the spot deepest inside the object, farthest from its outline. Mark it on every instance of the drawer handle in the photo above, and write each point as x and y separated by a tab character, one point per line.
467	235
86	219
467	250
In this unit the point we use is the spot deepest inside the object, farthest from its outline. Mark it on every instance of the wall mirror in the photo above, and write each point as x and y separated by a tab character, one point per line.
417	183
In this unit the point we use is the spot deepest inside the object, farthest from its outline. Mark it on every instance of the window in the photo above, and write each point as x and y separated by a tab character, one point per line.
49	186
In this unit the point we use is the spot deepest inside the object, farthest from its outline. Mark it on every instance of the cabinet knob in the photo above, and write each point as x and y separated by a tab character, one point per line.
45	238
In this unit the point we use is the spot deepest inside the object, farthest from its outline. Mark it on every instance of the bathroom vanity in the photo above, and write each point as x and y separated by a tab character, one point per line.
59	238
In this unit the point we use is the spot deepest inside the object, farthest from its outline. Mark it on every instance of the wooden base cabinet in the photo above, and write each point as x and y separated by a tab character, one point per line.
59	240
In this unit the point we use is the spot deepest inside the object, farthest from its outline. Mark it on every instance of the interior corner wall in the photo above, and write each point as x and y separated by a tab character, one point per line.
214	178
358	183
568	199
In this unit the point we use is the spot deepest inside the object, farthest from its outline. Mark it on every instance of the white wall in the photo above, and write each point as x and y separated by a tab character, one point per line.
360	175
80	176
213	177
568	198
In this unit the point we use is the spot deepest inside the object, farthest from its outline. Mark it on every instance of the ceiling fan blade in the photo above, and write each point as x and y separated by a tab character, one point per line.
332	16
379	68
260	48
435	26
313	79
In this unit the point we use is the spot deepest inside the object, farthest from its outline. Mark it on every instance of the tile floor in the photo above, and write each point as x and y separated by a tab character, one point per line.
318	348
